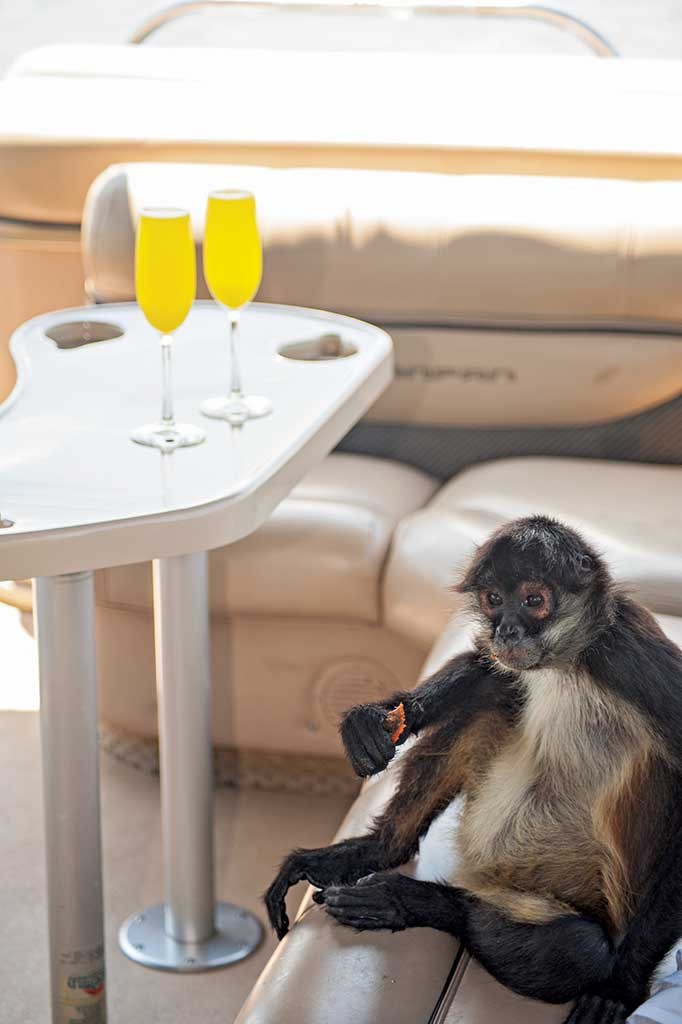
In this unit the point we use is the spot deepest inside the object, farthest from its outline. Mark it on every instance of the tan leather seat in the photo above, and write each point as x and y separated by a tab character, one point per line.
324	974
297	615
320	554
629	512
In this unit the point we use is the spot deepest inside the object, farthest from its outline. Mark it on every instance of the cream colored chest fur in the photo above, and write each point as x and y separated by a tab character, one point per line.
572	744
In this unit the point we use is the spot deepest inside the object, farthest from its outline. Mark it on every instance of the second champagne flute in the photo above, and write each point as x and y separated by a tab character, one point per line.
233	266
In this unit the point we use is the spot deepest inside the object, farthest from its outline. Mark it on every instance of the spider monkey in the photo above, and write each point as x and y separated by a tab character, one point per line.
562	730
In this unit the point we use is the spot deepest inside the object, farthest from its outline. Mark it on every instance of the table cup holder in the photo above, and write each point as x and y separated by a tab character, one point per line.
76	333
318	350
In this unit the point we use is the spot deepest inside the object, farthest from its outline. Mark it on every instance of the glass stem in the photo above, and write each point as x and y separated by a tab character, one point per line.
167	416
235	374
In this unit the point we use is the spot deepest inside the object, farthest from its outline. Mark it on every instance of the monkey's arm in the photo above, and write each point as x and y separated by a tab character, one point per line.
431	775
464	686
635	660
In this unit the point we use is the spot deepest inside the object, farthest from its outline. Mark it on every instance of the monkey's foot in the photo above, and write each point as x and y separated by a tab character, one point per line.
597	1010
378	901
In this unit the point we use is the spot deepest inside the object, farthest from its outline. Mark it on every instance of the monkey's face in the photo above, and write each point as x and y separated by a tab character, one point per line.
516	613
540	593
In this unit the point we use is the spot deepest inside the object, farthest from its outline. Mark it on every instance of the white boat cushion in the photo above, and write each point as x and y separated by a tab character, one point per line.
320	554
631	513
91	106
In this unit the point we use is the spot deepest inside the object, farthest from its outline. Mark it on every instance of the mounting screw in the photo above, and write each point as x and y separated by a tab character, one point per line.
190	960
139	947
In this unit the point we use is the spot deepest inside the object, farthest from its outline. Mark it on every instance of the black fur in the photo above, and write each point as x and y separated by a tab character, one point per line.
461	688
543	961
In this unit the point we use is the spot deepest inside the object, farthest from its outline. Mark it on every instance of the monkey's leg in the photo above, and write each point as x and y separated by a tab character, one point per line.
654	930
556	960
432	774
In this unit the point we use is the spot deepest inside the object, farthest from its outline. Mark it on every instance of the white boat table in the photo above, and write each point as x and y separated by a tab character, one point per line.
76	494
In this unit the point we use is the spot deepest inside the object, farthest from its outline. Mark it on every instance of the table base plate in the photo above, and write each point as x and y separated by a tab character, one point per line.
143	938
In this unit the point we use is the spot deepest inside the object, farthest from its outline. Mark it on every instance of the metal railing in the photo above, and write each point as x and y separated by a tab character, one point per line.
504	8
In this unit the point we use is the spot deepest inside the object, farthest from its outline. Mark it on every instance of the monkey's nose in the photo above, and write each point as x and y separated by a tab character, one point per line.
508	631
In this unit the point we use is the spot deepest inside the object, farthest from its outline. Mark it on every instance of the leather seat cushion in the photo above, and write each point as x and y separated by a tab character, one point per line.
432	249
92	106
322	972
629	512
321	553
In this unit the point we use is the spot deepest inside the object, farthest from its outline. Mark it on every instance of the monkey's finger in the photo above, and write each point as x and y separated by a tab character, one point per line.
597	1010
619	1014
351	896
375	878
354	919
275	902
362	762
277	915
378	749
279	919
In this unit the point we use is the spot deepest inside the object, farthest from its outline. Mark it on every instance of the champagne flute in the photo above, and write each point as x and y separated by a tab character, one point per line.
166	284
233	266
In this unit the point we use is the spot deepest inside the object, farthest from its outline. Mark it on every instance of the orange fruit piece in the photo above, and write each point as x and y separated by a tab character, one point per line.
395	721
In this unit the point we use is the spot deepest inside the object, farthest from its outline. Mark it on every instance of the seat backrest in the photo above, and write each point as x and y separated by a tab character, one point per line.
530	315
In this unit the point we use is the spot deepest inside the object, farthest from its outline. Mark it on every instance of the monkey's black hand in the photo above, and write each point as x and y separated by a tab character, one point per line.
595	1009
379	901
331	865
290	873
367	739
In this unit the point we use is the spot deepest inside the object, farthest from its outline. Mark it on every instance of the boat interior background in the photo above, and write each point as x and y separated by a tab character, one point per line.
513	221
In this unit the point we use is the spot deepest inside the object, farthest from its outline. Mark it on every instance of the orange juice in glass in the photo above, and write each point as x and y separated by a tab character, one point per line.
165	285
233	266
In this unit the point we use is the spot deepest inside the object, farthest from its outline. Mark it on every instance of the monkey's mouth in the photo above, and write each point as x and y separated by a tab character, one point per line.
517	658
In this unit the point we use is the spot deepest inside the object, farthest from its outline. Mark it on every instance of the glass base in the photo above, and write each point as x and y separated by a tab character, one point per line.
167	439
237	410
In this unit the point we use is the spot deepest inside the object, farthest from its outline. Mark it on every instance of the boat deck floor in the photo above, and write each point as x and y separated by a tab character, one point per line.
254	830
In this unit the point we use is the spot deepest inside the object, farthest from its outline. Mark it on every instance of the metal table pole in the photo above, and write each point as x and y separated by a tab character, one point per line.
189	932
65	623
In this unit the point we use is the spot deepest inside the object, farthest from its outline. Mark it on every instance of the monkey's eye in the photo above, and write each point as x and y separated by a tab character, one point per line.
534	601
493	598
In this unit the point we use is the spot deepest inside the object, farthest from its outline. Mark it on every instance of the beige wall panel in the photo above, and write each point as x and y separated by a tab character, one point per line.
278	684
464	377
